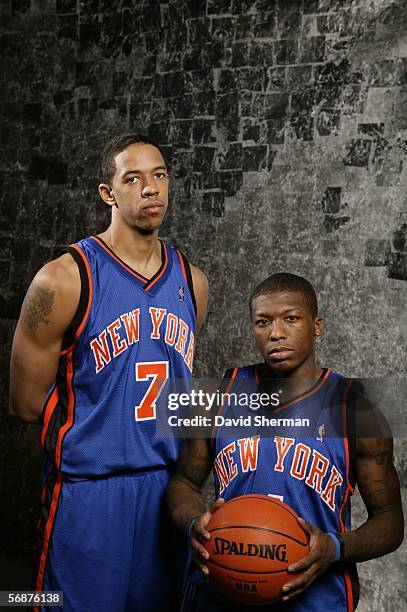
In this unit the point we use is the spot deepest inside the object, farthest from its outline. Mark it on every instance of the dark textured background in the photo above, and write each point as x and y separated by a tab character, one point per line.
286	123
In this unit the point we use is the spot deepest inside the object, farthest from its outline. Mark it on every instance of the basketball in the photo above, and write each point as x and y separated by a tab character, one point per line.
254	538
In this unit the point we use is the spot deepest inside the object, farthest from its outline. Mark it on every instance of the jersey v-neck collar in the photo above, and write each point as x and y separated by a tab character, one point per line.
145	283
313	389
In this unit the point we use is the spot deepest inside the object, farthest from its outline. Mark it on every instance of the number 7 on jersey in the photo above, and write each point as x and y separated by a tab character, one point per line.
157	372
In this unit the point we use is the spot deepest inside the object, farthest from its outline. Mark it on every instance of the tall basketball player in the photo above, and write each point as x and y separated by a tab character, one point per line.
101	329
314	475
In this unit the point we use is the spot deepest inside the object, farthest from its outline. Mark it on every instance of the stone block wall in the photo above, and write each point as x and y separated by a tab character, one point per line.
286	126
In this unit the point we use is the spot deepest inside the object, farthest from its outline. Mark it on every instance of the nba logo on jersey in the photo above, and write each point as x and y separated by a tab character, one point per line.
181	293
321	433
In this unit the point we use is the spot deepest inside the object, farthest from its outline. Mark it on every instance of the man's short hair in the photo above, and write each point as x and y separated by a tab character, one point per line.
283	281
116	146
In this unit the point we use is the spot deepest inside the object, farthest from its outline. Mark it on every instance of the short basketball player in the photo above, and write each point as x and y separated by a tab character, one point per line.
315	476
101	329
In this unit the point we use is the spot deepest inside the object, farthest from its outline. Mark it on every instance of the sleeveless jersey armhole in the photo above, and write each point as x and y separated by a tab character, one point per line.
186	270
230	373
351	401
225	387
71	332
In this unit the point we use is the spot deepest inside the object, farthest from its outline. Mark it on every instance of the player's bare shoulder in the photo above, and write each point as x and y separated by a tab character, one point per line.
48	308
53	296
201	290
199	278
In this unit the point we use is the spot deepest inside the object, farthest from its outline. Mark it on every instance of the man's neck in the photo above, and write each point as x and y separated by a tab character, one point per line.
292	384
142	252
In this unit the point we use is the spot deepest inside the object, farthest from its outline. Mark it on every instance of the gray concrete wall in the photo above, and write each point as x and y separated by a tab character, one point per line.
286	122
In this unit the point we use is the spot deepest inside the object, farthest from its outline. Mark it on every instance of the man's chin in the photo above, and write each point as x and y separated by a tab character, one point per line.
148	228
147	231
280	368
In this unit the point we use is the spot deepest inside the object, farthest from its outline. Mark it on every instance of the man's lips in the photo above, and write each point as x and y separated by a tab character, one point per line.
153	207
280	353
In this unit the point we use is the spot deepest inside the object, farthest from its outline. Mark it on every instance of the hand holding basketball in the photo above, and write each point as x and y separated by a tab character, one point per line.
254	539
199	534
320	557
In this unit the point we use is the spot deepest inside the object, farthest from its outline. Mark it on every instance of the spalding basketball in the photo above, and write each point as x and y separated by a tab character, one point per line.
254	538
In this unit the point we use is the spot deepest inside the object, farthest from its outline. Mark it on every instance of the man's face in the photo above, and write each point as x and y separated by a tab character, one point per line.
285	330
140	186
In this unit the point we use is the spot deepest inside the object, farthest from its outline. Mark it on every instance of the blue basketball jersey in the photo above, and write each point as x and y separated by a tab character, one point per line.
313	475
130	335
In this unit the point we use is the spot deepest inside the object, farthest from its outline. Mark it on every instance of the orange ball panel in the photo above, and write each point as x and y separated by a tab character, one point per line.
254	538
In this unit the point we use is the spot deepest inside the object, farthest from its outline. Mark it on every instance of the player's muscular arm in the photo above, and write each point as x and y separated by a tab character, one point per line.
48	308
379	487
200	283
185	497
382	532
185	490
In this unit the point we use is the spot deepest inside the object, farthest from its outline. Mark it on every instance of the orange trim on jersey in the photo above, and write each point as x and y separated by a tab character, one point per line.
122	263
349	488
148	283
184	272
86	315
157	278
66	351
43	491
348	491
90	297
227	389
71	406
49	409
345	428
304	395
47	535
256	376
54	398
44	486
349	591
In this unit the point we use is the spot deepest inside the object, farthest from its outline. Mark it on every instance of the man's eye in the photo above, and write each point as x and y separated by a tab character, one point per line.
261	322
161	175
133	179
292	318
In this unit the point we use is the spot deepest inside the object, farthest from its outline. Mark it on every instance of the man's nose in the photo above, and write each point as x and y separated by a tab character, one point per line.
149	189
277	330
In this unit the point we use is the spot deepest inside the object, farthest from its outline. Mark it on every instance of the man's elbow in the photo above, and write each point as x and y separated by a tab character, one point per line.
23	412
398	534
400	539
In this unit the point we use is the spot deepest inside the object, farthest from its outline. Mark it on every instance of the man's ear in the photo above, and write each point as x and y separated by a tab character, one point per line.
318	326
106	193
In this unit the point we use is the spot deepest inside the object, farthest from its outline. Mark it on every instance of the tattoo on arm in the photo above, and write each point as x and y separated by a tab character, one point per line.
375	475
197	470
194	464
40	305
184	492
380	490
